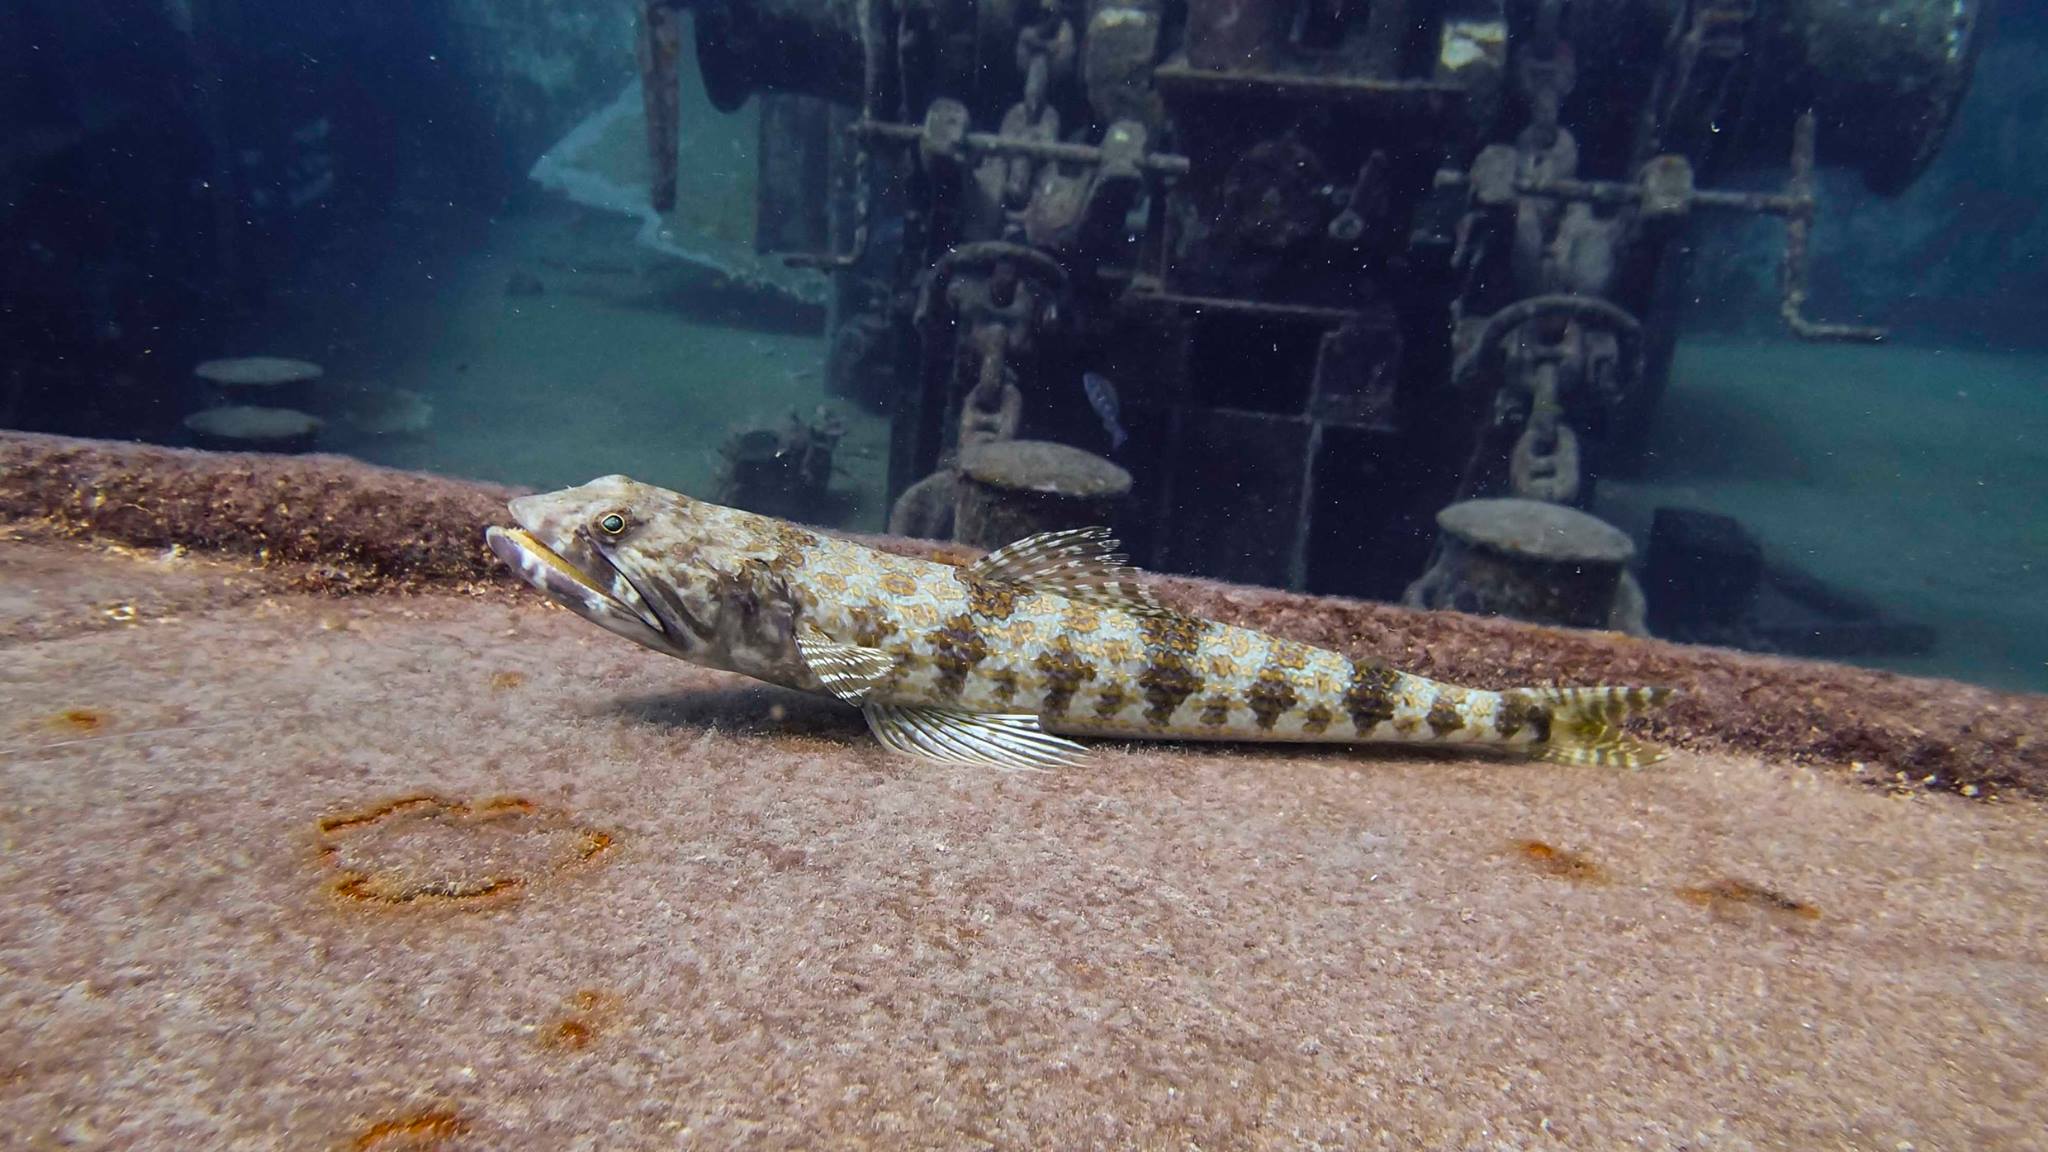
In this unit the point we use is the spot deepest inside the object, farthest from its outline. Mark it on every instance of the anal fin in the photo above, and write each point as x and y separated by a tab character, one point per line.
1010	741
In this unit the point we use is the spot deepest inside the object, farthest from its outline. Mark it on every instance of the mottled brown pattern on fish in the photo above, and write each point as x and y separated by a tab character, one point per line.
1171	645
1289	655
1215	711
898	584
1444	718
1273	695
872	624
1370	698
1065	671
1111	700
1003	687
1316	719
1082	618
989	598
792	547
1516	712
956	649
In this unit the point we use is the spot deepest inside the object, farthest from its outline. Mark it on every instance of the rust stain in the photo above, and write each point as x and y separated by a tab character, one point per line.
1561	862
380	890
348	843
78	720
501	681
1728	895
500	806
378	812
571	1033
591	1013
418	1130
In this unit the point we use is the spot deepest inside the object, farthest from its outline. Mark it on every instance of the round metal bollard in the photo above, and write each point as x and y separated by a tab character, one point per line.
1017	488
1529	560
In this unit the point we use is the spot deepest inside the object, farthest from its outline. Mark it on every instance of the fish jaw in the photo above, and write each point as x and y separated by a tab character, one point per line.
600	596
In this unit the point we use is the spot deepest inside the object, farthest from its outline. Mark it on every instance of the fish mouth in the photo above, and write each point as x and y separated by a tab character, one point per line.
605	599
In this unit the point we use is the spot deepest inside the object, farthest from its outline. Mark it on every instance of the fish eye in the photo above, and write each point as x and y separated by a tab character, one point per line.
612	524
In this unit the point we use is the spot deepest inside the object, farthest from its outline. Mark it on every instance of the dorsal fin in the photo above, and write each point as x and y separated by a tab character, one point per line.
1081	564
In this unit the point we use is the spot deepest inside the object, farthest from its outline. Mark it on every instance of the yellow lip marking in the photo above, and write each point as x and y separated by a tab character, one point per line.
548	556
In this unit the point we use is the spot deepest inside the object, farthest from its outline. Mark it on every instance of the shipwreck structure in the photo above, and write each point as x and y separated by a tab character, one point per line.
1345	262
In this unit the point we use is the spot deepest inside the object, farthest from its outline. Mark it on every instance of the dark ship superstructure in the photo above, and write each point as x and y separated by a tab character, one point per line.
1345	262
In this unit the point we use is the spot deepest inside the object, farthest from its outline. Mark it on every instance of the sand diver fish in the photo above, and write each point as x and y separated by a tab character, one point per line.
1102	397
996	662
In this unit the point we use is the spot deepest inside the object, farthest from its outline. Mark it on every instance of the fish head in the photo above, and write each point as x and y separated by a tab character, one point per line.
668	572
556	548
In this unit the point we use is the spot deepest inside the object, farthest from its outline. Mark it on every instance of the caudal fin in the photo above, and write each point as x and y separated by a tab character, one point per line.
1585	725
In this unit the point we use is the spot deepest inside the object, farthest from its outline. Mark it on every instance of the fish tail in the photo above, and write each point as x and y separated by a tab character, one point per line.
1585	725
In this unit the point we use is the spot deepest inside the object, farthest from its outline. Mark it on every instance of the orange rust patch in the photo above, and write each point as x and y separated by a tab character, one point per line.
1561	862
420	1130
589	1015
500	681
498	806
78	720
374	814
425	849
571	1033
1729	895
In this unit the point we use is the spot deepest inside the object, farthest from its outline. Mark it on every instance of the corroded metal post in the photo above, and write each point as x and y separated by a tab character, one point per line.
1798	224
660	44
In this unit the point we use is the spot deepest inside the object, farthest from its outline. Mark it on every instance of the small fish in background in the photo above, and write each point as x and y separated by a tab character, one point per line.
1102	398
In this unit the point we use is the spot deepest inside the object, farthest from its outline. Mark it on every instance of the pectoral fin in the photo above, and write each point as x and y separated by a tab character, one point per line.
847	671
1012	741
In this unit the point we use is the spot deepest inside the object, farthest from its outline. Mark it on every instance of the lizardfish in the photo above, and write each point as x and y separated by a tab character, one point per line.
998	661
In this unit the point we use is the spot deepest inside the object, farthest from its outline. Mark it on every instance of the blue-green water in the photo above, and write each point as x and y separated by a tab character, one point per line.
379	176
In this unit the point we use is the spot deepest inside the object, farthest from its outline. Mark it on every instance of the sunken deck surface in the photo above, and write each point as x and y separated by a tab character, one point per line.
433	869
463	872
